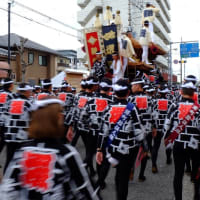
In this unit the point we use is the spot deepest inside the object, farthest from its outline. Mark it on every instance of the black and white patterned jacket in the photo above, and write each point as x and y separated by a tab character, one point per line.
91	116
177	112
80	102
46	169
143	104
68	99
5	97
16	118
160	110
130	135
99	68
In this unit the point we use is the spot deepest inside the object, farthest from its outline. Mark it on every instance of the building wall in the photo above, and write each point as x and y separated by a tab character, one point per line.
13	65
74	79
34	71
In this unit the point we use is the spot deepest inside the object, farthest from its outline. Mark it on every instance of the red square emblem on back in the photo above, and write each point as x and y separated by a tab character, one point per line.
37	170
16	107
141	103
82	102
101	105
163	105
41	96
3	98
183	110
116	113
62	96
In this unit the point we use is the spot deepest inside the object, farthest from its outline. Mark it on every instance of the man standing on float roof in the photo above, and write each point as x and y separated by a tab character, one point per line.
149	14
99	66
145	40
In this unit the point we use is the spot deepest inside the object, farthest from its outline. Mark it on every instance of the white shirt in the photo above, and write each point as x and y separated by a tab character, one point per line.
117	71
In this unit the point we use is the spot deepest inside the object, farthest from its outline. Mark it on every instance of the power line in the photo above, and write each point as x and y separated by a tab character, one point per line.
32	20
44	15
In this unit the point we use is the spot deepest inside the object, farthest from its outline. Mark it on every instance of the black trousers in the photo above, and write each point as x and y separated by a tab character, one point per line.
75	138
11	149
180	157
155	148
144	160
102	170
2	142
91	147
123	170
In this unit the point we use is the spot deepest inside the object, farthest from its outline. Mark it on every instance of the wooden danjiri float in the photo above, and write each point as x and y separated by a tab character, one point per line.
110	38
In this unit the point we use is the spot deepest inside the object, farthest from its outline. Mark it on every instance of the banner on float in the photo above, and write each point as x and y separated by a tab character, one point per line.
93	45
109	35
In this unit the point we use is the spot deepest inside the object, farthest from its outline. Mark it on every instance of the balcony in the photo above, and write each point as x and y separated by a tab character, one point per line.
160	42
161	16
88	12
62	65
162	60
168	4
82	3
161	32
165	9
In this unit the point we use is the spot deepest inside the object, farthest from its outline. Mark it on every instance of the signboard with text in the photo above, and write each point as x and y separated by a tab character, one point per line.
189	50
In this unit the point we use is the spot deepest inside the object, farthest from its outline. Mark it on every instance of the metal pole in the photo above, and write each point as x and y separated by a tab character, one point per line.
184	71
171	72
181	67
9	6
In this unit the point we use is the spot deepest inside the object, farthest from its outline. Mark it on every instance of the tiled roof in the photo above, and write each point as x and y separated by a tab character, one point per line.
15	40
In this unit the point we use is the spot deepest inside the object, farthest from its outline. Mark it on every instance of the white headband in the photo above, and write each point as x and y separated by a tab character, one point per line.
146	86
43	103
189	85
4	83
37	86
104	84
137	82
83	83
44	84
191	79
119	87
150	90
91	82
26	88
166	90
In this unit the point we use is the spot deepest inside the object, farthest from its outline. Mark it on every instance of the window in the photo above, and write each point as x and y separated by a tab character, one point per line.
43	60
30	58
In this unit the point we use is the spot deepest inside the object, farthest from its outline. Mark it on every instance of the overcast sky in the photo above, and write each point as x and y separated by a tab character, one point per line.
63	10
185	23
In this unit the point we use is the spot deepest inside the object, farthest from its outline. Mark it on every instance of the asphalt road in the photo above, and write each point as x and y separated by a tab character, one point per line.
156	187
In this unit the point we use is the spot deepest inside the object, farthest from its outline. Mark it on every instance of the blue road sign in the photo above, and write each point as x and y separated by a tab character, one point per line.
189	50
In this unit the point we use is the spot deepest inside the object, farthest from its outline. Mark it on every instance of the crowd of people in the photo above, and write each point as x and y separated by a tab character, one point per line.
40	128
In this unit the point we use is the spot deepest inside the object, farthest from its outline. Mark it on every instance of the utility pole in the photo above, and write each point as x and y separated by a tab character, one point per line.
170	75
9	6
181	71
21	53
185	61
